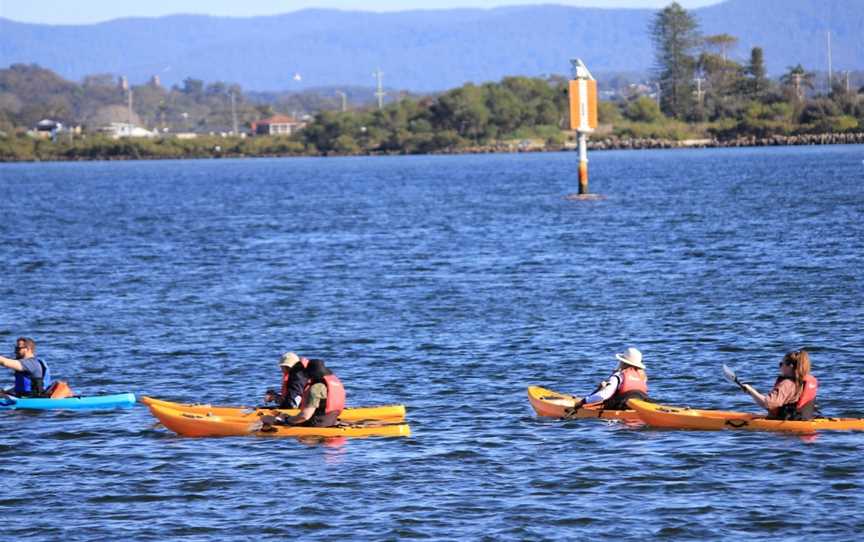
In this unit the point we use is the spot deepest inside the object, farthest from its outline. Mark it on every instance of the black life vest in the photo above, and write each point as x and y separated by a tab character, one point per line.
293	384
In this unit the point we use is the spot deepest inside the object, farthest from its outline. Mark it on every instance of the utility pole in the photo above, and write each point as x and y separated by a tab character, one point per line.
699	91
380	92
830	73
797	78
129	107
344	100
233	116
847	81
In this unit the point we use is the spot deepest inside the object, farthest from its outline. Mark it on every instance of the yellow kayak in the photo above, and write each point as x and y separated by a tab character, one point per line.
558	405
713	420
191	424
393	413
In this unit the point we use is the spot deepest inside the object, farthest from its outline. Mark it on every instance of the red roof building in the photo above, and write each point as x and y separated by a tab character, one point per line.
277	125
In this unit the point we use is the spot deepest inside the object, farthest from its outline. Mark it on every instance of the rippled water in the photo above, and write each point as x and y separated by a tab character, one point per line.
448	284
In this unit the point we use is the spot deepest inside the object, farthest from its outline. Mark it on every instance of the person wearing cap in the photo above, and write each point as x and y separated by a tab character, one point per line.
322	403
294	381
627	382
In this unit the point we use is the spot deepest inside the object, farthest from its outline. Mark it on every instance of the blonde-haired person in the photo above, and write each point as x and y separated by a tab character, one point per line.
794	394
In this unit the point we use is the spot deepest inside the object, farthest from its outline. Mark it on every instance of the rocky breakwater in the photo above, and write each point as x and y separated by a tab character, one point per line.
616	143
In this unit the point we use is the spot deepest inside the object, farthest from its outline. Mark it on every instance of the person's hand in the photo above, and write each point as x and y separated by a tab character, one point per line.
570	412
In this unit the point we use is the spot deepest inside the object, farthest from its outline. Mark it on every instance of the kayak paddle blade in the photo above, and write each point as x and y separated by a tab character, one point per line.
730	374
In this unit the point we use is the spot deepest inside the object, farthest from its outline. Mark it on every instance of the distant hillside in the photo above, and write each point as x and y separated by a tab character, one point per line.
421	50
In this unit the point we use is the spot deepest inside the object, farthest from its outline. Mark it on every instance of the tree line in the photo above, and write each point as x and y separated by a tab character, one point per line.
698	91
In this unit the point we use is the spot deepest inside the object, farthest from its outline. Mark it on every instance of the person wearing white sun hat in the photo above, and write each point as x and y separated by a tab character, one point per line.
627	382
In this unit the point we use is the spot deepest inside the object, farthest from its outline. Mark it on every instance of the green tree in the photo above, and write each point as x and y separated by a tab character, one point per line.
675	34
644	109
463	110
796	81
721	44
758	83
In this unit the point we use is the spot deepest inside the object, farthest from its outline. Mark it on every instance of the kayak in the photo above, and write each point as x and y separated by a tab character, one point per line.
384	412
713	420
94	402
555	405
191	424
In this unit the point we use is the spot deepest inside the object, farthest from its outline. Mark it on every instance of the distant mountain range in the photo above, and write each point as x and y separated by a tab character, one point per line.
422	50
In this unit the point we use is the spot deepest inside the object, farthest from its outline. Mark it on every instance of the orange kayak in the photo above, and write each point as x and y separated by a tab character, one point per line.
552	404
714	420
191	424
392	413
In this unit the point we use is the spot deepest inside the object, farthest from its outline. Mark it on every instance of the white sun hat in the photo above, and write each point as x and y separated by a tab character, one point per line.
631	357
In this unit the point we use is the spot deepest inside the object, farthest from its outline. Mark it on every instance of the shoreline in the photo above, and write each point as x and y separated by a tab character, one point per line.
606	143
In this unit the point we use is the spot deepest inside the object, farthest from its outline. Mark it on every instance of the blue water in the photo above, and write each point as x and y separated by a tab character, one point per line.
448	284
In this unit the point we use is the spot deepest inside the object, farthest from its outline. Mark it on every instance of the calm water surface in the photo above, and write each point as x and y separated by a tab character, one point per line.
448	284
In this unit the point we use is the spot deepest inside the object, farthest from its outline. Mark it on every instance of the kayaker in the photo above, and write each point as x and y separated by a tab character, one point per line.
293	381
32	375
794	394
628	381
323	399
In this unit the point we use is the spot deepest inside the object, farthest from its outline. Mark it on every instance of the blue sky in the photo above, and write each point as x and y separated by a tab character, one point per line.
91	11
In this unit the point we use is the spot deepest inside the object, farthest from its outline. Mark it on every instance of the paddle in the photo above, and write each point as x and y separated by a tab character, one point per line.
732	377
6	399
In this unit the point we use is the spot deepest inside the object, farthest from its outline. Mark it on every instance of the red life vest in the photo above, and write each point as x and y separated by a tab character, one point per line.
335	403
632	380
802	408
808	394
286	378
631	383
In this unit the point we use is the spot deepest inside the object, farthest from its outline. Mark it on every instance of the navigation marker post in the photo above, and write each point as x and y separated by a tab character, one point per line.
583	115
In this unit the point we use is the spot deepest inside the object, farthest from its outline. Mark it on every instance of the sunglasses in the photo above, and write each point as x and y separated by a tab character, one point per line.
787	363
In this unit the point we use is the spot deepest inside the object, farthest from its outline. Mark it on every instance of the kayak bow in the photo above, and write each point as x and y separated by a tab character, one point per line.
552	404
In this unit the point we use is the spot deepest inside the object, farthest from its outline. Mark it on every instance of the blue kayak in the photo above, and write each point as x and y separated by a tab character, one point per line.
120	400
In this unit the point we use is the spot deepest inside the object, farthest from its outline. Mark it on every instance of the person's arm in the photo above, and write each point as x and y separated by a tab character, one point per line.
13	364
317	393
301	416
757	397
607	390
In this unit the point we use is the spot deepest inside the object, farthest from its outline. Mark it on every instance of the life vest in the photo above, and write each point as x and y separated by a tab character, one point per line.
632	383
803	407
327	412
286	382
27	385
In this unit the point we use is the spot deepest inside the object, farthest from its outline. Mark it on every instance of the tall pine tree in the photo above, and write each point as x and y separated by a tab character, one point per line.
758	77
675	34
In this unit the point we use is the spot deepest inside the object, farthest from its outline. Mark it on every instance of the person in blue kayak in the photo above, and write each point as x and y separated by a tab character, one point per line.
322	402
794	394
32	375
293	382
629	381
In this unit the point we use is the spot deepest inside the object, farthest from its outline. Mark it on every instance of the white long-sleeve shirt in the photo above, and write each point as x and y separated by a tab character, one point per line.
606	390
